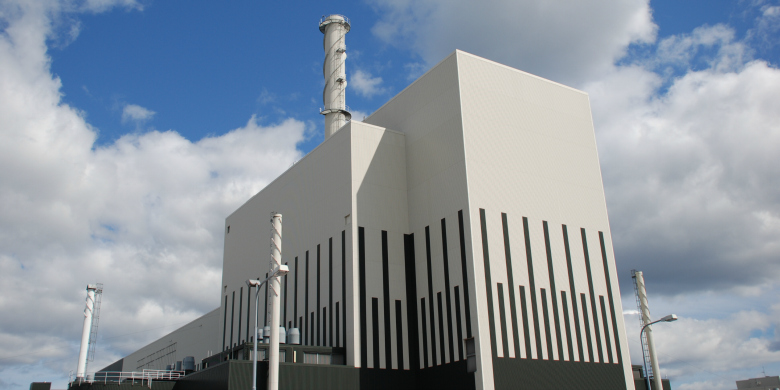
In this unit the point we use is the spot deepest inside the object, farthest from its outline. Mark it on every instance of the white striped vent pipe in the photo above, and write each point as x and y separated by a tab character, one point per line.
640	287
81	370
276	263
335	28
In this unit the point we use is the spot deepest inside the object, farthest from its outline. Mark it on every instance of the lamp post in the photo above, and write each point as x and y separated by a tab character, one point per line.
281	271
656	373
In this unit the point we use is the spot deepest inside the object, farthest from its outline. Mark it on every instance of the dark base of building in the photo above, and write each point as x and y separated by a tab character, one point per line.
534	374
237	374
508	374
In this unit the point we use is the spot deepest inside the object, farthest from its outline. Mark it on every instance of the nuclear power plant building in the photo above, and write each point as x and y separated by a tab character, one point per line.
464	218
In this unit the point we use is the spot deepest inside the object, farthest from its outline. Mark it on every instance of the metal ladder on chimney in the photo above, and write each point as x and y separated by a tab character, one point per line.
95	319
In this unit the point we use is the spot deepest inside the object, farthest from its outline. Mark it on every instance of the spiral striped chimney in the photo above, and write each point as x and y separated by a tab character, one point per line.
335	28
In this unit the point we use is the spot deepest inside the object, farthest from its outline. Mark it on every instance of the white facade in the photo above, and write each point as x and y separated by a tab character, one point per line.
194	339
402	205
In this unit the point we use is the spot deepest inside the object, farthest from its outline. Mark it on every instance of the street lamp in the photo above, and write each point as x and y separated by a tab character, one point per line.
280	271
656	375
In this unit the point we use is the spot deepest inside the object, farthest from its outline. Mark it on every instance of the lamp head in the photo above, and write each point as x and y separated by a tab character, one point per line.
253	283
283	270
670	318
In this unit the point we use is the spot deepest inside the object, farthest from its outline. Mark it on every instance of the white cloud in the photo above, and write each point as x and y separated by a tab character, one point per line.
143	215
680	50
687	141
710	350
136	113
359	115
366	85
564	40
767	24
687	173
688	158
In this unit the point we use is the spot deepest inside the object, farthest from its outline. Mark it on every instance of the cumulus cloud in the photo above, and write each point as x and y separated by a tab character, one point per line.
687	140
143	215
700	348
563	40
359	115
136	113
767	24
687	137
365	85
686	173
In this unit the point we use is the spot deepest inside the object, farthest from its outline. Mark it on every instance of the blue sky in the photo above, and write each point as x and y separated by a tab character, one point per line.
204	68
130	129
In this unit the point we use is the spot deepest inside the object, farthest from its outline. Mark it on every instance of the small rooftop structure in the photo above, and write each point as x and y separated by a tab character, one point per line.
765	383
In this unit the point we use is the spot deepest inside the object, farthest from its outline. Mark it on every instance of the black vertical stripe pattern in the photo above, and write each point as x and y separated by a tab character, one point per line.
609	297
441	328
284	319
448	299
375	323
425	332
306	304
532	289
224	325
511	287
568	327
488	283
411	302
502	321
574	308
265	299
232	312
313	327
344	288
526	330
295	296
553	291
464	273
606	328
316	327
594	310
587	326
330	292
458	322
248	310
386	300
547	332
240	312
430	295
305	331
324	325
399	335
337	325
363	309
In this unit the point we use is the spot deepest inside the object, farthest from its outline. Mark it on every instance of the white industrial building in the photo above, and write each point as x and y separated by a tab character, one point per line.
470	205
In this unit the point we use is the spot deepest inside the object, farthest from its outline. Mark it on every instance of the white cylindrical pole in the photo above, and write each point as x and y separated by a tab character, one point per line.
640	285
276	262
335	28
254	352
81	370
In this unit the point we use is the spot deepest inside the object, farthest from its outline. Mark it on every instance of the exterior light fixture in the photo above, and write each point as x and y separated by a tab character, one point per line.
658	384
280	271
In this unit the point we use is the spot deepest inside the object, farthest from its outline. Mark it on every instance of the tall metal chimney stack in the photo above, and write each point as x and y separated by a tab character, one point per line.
335	28
87	331
644	309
